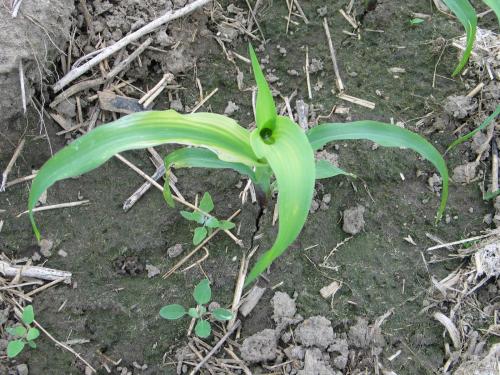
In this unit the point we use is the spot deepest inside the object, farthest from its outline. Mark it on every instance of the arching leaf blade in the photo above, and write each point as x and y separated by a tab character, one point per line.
199	158
265	108
495	5
292	161
140	130
468	18
468	136
385	135
325	169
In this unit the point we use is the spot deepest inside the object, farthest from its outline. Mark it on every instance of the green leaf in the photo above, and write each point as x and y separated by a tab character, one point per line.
468	136
32	344
193	313
265	109
225	225
495	5
212	222
222	314
292	160
202	329
199	158
467	16
33	334
172	312
19	331
28	314
192	216
325	169
206	203
199	235
14	348
385	135
416	21
140	130
202	292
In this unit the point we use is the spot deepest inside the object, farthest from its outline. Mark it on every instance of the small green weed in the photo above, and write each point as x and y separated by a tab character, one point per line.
416	21
26	334
202	295
208	222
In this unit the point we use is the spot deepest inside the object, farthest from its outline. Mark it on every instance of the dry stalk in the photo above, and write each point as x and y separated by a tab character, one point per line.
108	51
12	161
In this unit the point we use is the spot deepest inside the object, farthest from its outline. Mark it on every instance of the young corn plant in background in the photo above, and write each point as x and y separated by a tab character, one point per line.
468	18
202	295
208	223
277	148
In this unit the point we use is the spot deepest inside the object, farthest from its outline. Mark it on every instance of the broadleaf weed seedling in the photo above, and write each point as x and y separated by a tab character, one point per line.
208	222
202	295
23	333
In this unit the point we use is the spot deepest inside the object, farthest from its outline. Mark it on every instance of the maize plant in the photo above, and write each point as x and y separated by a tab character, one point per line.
276	153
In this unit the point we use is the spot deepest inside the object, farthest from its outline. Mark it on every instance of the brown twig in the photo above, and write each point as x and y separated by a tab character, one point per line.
108	51
12	161
338	80
216	347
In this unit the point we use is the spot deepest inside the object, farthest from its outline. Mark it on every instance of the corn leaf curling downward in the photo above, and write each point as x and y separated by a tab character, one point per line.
385	135
218	133
292	161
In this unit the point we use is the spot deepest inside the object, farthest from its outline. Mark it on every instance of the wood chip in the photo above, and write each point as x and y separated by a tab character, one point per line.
251	300
330	290
109	101
353	99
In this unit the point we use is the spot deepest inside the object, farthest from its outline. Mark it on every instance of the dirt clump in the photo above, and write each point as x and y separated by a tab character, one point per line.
460	106
363	336
260	347
314	364
34	37
354	221
465	173
315	331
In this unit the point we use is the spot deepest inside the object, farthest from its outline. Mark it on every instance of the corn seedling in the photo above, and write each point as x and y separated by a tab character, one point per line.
208	223
202	295
277	147
23	333
468	18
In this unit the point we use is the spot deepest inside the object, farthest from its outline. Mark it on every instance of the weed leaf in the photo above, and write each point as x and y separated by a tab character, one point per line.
325	169
385	135
32	344
207	204
193	313
222	314
468	18
14	348
18	331
212	222
33	334
192	216
468	136
202	329
199	235
225	225
292	161
28	314
139	130
202	292
172	312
